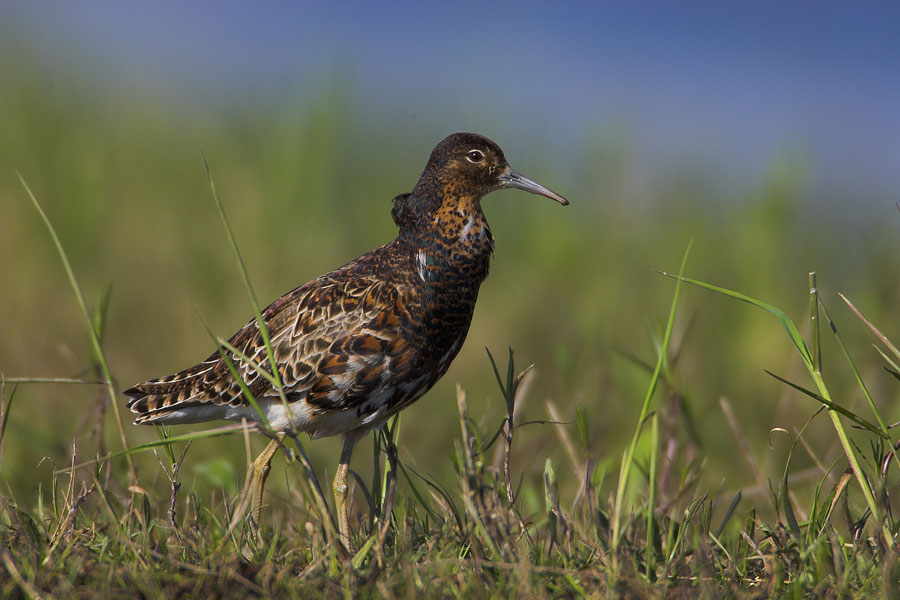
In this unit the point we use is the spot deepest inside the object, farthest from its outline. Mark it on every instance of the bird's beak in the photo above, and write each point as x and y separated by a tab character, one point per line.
513	179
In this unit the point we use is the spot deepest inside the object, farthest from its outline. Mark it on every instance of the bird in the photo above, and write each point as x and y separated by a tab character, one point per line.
359	344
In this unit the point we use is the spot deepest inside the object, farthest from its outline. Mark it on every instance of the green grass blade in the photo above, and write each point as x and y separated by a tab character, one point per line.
496	371
510	384
786	504
729	513
814	322
258	368
628	459
185	437
776	312
829	404
99	355
650	553
5	419
816	375
260	322
234	372
439	490
892	367
18	380
859	379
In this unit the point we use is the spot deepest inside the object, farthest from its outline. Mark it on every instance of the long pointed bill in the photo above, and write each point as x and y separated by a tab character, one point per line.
513	179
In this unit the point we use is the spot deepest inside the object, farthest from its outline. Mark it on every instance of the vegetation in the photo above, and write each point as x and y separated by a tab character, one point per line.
646	453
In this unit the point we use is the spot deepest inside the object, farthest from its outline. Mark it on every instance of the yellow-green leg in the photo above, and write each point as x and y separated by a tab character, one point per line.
261	467
341	489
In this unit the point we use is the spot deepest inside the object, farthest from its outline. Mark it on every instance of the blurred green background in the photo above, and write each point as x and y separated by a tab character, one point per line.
659	127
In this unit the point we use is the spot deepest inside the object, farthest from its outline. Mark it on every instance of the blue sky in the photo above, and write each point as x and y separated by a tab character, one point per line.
728	83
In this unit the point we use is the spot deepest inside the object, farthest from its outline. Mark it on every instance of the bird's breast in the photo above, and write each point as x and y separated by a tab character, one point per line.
447	281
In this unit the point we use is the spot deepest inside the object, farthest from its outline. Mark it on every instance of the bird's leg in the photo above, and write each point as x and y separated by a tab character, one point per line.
341	488
261	467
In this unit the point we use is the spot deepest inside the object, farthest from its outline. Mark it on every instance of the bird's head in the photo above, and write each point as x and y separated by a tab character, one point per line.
468	166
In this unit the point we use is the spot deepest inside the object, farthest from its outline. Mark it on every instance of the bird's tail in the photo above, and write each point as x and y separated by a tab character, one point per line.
157	399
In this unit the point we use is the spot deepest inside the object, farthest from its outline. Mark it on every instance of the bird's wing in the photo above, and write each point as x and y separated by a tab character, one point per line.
335	340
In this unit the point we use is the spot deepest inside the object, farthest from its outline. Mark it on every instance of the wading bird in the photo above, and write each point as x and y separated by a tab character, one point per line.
360	343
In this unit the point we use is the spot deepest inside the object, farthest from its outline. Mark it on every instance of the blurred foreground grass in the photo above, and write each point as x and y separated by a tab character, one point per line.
573	291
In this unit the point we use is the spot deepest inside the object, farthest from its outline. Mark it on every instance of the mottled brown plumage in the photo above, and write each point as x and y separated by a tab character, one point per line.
364	341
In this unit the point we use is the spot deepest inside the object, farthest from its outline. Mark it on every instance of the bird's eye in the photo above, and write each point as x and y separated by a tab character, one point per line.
475	156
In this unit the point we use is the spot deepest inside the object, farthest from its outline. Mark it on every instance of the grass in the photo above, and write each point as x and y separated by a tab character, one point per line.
638	457
87	534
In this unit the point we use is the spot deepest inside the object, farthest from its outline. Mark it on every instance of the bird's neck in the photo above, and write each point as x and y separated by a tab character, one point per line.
462	228
450	241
